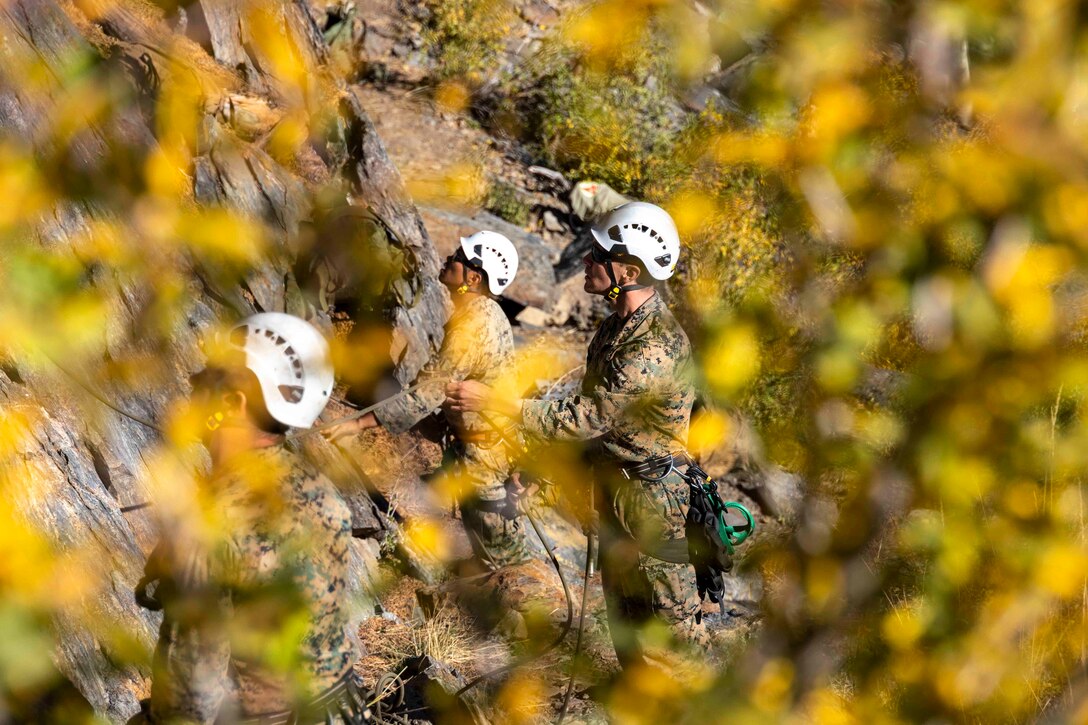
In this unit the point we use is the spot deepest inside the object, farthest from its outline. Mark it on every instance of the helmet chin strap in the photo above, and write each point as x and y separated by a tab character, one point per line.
614	291
463	287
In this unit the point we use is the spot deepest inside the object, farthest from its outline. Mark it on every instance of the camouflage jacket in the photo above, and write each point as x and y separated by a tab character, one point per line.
259	614
637	392
479	345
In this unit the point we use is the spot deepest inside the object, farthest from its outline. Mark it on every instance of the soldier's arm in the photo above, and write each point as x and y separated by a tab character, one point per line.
191	668
456	360
637	374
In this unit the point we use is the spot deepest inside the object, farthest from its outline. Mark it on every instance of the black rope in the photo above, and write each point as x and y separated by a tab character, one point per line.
566	590
354	416
527	659
581	621
524	660
101	399
359	413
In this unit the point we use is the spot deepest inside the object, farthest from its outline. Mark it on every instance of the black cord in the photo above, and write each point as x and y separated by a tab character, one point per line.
101	399
522	661
566	590
581	627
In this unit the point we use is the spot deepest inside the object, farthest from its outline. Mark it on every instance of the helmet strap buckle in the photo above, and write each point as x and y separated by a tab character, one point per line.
462	289
214	421
613	293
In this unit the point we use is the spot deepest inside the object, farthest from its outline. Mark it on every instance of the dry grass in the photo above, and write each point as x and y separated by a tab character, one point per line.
448	637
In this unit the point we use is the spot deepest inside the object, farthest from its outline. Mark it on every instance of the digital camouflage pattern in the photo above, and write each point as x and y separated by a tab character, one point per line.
496	533
479	345
255	623
637	392
635	403
635	516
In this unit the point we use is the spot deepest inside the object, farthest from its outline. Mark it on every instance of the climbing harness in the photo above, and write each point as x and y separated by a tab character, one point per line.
702	486
709	539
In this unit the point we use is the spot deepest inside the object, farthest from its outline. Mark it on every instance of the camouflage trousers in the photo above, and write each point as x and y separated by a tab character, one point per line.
496	532
653	606
489	515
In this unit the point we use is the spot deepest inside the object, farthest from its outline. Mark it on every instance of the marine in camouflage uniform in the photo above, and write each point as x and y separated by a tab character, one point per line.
635	404
230	610
478	345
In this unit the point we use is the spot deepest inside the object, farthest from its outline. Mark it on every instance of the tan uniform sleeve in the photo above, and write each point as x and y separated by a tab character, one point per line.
456	361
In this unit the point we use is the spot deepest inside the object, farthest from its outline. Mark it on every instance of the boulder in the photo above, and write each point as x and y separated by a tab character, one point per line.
535	282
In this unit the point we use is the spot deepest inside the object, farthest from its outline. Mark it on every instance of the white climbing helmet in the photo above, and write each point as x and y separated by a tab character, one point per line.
642	230
292	362
496	255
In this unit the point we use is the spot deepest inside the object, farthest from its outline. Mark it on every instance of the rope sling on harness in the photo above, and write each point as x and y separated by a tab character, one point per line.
709	539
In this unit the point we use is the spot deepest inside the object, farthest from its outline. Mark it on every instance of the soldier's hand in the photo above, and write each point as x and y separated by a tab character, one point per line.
467	396
339	432
349	428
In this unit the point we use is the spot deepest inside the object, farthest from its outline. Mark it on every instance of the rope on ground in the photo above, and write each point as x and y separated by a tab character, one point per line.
527	659
86	387
522	661
581	629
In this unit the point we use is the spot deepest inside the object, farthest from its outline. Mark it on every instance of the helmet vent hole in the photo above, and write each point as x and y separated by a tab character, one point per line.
291	393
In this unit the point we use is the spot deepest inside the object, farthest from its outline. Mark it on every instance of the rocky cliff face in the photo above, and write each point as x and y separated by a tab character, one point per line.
82	461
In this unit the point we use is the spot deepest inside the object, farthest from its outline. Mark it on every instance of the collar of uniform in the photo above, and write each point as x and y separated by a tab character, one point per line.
467	309
640	315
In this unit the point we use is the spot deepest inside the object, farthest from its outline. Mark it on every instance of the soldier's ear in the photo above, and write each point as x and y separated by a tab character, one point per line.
629	273
234	403
474	278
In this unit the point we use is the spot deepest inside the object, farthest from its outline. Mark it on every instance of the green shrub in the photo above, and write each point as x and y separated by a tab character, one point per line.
466	36
505	201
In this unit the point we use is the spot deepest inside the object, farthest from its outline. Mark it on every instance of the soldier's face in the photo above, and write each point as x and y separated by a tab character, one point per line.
597	281
452	271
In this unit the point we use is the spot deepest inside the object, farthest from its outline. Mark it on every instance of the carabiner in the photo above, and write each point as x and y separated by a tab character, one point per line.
736	534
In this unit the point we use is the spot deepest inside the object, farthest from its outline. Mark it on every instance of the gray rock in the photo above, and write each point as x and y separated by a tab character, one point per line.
552	223
707	97
743	587
783	493
535	282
